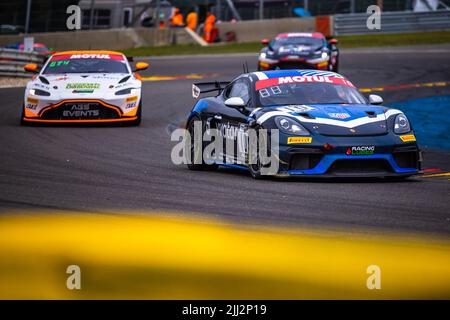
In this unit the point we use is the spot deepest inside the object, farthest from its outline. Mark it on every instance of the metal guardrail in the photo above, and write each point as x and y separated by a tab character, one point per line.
12	62
391	22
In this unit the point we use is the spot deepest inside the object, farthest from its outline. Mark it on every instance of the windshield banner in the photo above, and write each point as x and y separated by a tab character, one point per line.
88	56
261	84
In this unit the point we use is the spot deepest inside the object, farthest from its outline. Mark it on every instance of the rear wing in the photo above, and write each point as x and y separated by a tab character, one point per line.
205	87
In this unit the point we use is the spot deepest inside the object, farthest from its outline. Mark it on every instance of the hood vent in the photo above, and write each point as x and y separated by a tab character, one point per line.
124	79
306	115
371	114
44	80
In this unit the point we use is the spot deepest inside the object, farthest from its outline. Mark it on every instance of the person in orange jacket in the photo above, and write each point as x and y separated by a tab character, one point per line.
177	19
209	26
192	20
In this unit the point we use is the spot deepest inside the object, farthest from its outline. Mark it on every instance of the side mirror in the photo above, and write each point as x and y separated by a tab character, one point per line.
265	41
235	102
31	67
333	41
141	66
375	99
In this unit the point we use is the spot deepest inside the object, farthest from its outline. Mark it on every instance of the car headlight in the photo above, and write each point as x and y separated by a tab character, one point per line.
401	124
263	55
38	92
324	55
290	126
125	91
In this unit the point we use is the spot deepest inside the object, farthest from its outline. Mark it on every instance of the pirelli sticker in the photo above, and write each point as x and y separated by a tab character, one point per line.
293	140
408	138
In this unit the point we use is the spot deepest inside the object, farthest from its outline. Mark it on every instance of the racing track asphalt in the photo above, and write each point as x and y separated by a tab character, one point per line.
114	168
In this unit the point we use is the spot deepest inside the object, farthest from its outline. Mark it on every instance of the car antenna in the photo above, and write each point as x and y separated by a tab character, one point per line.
245	67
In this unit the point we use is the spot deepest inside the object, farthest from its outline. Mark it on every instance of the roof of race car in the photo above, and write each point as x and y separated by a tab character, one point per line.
262	75
300	34
264	79
87	52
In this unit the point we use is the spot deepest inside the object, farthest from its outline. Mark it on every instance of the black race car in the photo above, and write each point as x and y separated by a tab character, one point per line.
299	51
315	123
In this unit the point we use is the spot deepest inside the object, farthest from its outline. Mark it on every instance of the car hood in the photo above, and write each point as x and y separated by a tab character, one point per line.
93	85
334	119
299	50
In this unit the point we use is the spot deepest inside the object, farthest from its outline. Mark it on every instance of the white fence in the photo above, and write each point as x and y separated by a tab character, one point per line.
12	62
393	22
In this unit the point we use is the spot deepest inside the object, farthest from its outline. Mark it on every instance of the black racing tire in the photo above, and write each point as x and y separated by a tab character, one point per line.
23	122
137	122
192	165
255	169
336	66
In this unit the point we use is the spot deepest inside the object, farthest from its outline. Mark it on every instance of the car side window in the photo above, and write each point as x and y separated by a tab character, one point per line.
238	89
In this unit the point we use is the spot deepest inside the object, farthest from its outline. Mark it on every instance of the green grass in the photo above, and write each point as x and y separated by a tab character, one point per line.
344	42
400	39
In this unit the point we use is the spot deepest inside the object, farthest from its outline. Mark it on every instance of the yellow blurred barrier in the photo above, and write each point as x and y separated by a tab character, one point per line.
148	256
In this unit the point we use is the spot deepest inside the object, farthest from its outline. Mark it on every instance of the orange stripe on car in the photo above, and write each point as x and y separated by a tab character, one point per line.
78	121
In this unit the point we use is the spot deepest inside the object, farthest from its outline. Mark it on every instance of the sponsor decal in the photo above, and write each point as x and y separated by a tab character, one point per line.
339	115
33	101
81	110
408	138
53	64
130	99
261	84
227	130
40	85
292	140
80	86
83	91
360	151
296	108
130	105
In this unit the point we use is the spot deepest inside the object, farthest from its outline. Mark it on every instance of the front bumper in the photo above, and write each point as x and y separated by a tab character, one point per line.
391	157
80	111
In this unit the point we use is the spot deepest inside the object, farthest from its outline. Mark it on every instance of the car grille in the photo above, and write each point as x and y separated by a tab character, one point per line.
304	161
80	111
407	157
360	166
294	65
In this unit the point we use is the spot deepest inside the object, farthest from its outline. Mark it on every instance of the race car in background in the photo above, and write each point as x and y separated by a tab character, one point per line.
326	127
299	51
84	87
40	48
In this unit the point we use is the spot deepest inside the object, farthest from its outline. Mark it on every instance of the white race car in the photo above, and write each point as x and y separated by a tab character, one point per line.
84	87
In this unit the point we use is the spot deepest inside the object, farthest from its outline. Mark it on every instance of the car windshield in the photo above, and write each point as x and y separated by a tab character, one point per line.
40	49
295	41
309	93
89	63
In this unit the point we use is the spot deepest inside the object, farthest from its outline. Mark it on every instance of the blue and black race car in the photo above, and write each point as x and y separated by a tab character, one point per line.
324	127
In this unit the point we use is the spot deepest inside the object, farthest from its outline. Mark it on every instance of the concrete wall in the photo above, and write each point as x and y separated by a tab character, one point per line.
255	30
112	39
